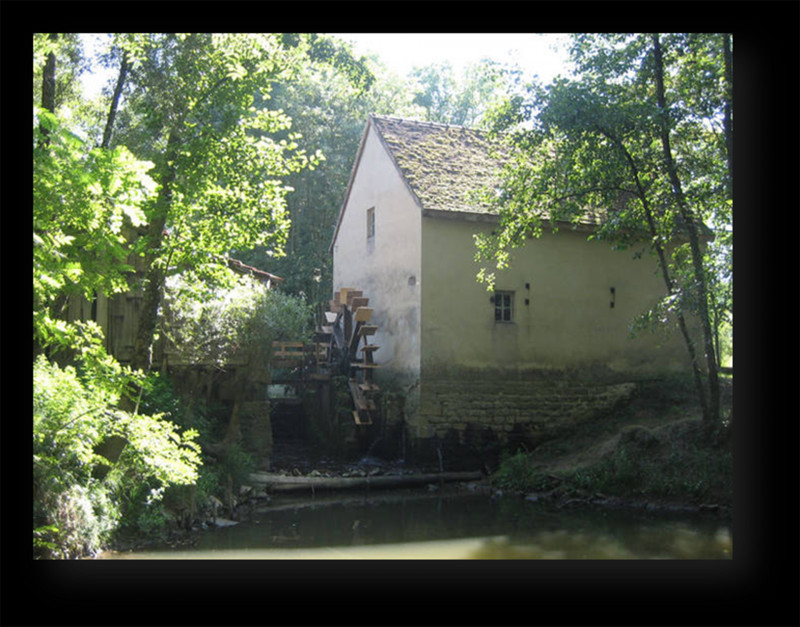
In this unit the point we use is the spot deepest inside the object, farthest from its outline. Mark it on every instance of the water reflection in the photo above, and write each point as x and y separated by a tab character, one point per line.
680	541
421	526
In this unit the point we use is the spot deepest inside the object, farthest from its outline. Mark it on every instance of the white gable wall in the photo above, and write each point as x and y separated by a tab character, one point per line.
386	267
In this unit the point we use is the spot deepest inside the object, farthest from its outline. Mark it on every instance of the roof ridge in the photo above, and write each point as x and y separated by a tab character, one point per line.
394	118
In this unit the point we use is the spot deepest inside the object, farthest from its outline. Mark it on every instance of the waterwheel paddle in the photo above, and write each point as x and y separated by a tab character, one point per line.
347	324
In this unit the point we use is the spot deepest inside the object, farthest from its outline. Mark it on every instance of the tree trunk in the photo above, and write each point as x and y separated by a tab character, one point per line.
234	433
662	261
712	412
155	273
49	84
727	115
58	307
112	111
280	483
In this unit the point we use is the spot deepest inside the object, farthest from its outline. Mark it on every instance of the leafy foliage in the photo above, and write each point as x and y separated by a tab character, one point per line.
639	144
70	59
199	106
79	495
329	111
463	100
82	200
220	325
518	472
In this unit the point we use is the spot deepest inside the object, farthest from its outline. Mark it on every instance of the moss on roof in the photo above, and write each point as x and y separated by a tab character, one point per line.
443	165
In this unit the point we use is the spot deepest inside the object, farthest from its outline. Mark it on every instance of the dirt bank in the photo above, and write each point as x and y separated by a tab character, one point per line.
655	453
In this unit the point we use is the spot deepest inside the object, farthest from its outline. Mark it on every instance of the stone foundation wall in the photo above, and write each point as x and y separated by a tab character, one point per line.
256	428
469	421
502	406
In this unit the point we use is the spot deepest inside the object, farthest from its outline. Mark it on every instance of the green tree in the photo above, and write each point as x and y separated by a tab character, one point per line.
219	181
82	199
191	104
329	110
640	138
79	497
464	100
59	61
230	328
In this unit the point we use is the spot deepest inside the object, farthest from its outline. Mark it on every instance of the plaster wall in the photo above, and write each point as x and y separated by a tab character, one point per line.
566	356
562	313
386	266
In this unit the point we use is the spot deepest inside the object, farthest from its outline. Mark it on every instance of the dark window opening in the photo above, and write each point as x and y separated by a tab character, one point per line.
371	223
503	306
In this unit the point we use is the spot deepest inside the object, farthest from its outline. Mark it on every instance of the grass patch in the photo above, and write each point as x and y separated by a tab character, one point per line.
656	448
676	462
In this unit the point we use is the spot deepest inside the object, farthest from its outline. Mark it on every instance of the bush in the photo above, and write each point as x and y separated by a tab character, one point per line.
517	472
225	323
237	464
618	473
80	497
678	462
82	518
674	464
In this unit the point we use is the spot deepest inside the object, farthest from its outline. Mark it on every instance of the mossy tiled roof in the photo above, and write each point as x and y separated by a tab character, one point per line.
443	165
446	166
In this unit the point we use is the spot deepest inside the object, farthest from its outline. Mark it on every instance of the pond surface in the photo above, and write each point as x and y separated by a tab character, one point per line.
423	525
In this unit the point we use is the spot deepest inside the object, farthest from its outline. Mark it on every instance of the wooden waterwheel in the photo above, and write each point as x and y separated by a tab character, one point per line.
347	332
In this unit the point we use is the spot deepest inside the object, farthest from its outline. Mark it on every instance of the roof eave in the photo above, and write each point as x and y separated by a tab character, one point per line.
397	167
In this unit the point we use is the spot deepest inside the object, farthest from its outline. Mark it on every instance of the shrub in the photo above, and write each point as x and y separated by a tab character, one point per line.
517	472
237	464
225	323
80	496
620	472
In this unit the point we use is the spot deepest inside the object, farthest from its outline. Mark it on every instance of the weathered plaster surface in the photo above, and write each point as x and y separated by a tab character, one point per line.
568	321
387	267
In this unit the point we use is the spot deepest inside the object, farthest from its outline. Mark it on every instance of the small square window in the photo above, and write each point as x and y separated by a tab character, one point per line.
503	306
370	223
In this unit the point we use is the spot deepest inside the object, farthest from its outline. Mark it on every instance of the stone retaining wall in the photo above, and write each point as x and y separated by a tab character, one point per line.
505	406
467	421
256	428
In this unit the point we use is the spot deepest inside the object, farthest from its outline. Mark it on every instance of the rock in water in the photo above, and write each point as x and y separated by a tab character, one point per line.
224	522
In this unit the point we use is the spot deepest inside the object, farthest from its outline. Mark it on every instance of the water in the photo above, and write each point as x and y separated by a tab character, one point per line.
425	525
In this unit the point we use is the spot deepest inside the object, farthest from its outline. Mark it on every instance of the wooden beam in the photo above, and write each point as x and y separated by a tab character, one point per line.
319	377
362	420
363	314
361	402
341	295
351	294
281	483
